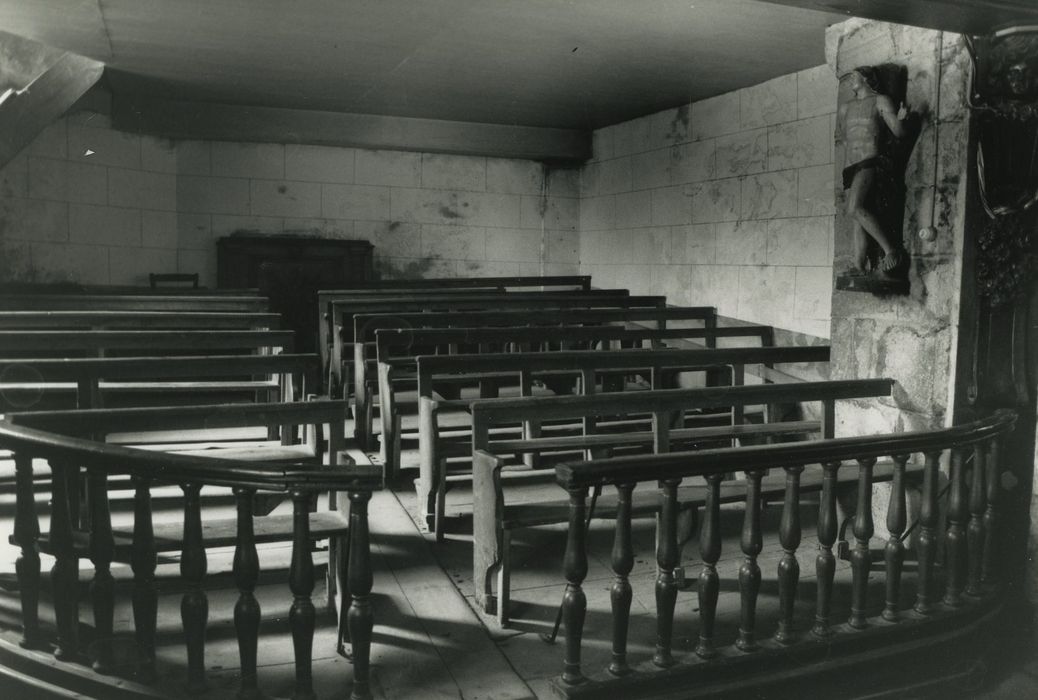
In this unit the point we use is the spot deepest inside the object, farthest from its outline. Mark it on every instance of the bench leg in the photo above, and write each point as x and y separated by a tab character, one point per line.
504	579
440	513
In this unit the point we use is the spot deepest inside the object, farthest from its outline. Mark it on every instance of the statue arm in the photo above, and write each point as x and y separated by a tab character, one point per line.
885	107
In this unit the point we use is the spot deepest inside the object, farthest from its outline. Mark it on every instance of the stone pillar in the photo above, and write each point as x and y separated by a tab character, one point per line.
914	339
922	340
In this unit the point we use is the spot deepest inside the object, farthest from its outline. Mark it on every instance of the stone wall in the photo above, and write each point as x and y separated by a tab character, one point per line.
913	339
90	204
726	202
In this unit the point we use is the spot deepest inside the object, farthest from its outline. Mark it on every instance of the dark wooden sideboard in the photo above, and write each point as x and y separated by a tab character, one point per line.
290	270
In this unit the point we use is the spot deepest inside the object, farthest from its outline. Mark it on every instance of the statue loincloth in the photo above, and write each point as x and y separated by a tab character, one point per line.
880	163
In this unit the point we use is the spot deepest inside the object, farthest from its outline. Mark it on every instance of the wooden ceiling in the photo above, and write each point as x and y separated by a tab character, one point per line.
551	63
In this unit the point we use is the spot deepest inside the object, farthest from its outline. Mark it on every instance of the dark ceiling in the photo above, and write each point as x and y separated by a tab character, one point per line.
560	63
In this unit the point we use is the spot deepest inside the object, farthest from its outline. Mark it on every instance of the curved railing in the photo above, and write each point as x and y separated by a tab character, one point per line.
67	456
969	567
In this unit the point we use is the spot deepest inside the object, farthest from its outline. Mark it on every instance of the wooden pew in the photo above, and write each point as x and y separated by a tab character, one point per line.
138	302
72	343
588	366
343	310
119	289
365	326
326	296
25	382
396	351
137	320
494	519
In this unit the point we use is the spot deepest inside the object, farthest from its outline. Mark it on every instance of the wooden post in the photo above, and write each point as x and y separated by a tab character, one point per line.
789	567
194	605
955	537
710	552
302	616
989	572
825	562
360	619
975	530
26	536
143	558
861	558
574	602
102	551
927	543
666	560
749	572
64	575
620	594
247	609
894	552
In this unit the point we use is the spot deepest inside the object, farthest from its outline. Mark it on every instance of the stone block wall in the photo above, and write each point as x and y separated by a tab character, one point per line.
725	202
90	204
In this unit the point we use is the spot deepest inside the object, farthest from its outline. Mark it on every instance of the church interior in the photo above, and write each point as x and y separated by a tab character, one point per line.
518	349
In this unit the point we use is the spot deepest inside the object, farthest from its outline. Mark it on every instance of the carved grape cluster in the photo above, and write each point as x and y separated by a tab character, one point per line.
1006	257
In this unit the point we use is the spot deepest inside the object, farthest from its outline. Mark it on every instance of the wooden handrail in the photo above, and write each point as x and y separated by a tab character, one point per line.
677	465
71	369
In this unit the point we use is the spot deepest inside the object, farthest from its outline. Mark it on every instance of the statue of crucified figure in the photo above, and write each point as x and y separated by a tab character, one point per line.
863	117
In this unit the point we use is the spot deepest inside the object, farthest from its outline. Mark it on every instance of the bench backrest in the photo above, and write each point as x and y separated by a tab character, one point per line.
139	302
588	363
119	289
137	320
26	343
88	373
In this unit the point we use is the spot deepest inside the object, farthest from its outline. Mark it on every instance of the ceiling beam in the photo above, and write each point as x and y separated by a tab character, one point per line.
225	122
977	17
25	111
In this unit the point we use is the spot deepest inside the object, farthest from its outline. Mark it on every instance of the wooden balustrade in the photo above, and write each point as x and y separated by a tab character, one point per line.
875	626
67	455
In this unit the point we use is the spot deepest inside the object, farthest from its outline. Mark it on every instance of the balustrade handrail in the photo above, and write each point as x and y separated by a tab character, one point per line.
676	465
172	467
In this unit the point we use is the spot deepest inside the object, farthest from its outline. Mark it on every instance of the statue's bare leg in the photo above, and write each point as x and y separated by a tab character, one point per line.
866	221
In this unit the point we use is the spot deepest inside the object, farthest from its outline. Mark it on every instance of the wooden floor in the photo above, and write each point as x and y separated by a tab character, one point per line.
429	640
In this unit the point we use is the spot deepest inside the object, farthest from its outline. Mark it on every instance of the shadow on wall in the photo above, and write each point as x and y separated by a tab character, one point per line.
414	269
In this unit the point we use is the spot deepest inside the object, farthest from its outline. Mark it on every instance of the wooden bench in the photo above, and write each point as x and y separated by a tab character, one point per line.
397	370
366	325
436	447
343	311
138	302
25	382
494	519
326	296
137	320
68	288
71	343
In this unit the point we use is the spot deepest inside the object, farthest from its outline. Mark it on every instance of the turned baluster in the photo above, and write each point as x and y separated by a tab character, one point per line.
894	552
789	567
26	537
749	572
975	530
194	605
64	574
620	594
955	537
666	560
360	619
247	609
301	616
927	542
102	551
861	557
143	558
709	552
574	602
989	572
825	562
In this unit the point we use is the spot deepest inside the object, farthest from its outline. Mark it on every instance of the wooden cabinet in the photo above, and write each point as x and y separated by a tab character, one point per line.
290	270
